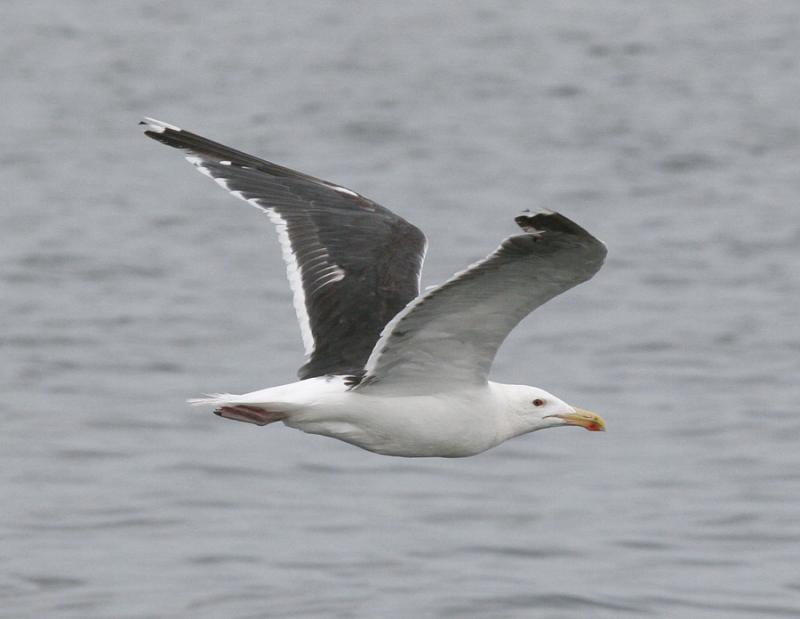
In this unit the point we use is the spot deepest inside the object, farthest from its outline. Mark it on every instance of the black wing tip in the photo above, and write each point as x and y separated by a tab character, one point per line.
548	221
163	132
158	126
537	225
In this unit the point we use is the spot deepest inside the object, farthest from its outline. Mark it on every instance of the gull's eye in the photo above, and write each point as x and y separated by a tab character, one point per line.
538	402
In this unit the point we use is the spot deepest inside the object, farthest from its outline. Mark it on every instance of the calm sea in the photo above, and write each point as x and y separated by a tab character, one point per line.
129	283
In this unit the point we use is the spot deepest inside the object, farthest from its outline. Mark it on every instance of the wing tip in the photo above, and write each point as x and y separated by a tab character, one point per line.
546	220
153	125
537	224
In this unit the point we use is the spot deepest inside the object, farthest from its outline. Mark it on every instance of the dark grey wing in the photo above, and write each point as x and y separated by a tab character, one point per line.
352	264
448	337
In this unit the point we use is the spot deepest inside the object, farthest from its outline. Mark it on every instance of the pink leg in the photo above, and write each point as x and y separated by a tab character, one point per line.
249	414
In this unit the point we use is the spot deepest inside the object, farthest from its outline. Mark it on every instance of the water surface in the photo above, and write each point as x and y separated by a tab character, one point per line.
130	283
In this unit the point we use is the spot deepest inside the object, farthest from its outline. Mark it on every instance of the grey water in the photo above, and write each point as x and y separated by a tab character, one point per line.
129	283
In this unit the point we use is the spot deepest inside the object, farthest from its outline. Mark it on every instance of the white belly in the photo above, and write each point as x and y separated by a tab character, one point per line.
444	425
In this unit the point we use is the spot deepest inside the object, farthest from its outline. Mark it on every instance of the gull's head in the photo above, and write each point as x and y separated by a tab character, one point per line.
531	408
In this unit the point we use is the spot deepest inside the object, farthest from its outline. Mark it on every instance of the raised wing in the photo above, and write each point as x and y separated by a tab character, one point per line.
450	335
352	264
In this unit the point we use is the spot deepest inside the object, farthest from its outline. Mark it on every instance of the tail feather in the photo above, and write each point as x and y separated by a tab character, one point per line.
215	399
266	398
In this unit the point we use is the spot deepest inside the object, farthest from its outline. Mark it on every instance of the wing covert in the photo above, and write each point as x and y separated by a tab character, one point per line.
352	264
451	334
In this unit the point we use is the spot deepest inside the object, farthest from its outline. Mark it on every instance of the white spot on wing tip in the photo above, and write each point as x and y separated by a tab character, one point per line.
158	126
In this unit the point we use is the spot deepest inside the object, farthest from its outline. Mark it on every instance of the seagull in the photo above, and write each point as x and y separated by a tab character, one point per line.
391	369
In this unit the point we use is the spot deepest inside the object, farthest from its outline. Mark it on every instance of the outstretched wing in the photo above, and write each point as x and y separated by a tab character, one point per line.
450	335
352	264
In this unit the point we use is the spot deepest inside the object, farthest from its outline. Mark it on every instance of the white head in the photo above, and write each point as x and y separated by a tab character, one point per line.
530	408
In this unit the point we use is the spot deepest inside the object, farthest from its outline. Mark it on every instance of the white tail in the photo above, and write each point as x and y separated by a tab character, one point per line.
283	398
216	399
275	398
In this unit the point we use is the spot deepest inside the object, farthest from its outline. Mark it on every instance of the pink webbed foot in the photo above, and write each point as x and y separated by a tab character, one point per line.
249	414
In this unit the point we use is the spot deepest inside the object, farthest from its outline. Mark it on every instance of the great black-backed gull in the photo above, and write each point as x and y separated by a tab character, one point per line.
389	369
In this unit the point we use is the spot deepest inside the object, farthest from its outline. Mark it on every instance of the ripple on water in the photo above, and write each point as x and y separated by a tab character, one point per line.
736	608
220	559
520	552
52	582
539	602
124	297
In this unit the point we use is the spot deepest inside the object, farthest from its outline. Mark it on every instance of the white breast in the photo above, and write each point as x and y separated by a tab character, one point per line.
446	425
